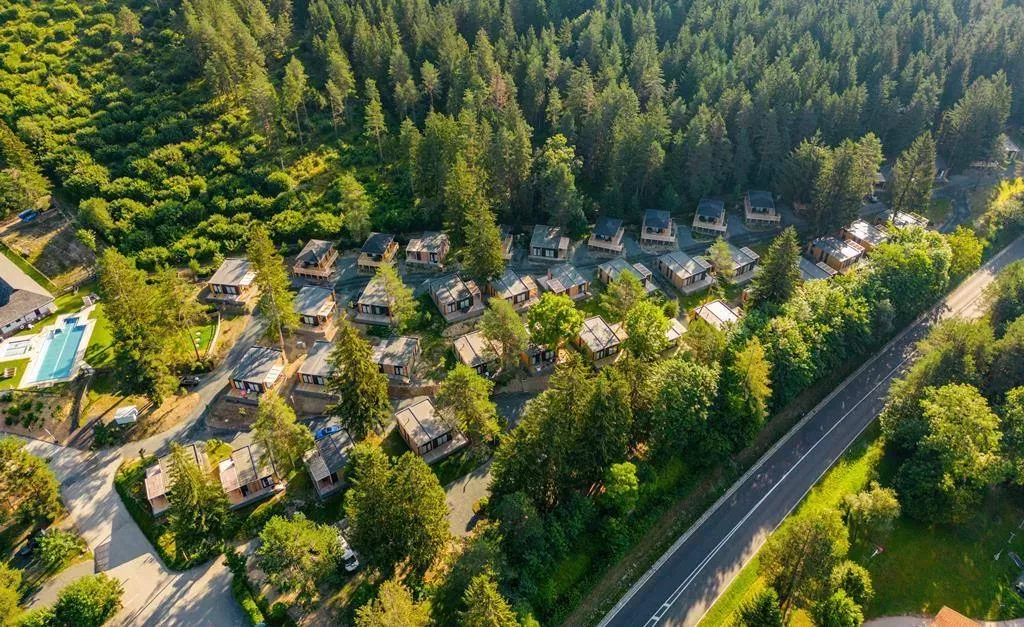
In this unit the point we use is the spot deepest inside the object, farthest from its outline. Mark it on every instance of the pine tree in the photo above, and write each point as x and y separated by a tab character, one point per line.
340	83
430	80
283	439
294	90
198	511
913	176
483	255
362	391
180	307
275	305
401	304
780	270
464	400
485	607
373	116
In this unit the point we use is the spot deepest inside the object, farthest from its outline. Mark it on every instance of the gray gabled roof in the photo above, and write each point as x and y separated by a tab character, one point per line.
710	208
810	271
760	198
234	271
259	364
377	243
607	227
313	301
548	237
20	295
314	251
396	351
330	454
421	422
598	334
657	219
562	277
316	363
684	265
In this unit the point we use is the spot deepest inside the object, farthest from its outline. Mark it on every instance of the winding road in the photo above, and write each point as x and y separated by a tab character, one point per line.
686	581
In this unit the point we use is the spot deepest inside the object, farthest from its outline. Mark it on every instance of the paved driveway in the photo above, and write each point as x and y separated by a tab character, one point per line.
153	594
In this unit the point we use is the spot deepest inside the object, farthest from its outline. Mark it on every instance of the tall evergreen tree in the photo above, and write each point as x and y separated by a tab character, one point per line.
362	391
485	607
283	439
502	325
913	176
275	305
780	270
374	125
198	511
464	401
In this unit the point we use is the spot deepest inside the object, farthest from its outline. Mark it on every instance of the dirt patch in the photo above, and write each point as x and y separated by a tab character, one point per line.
103	402
43	415
49	244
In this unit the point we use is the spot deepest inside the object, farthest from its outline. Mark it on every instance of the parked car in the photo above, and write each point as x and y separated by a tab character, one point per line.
323	432
1018	585
189	381
349	558
1017	561
30	546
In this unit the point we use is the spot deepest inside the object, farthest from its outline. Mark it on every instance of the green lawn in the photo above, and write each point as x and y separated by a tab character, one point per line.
100	352
924	568
850	474
921	568
28	268
203	335
13	382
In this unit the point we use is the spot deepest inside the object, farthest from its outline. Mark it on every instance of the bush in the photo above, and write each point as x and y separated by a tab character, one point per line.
241	592
58	547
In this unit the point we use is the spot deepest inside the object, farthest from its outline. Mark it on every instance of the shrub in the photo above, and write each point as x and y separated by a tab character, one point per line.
58	547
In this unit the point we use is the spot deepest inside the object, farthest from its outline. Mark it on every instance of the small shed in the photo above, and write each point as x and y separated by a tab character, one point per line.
126	415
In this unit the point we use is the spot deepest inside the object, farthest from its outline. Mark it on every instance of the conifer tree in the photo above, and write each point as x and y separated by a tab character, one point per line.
373	116
275	305
913	176
362	391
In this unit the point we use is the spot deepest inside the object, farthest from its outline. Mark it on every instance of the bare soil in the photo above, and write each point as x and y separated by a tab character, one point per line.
49	244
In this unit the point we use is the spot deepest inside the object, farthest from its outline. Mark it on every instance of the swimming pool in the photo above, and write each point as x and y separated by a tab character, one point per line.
57	354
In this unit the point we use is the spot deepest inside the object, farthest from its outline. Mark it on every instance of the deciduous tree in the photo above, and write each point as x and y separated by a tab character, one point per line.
393	607
553	321
799	558
646	325
298	554
401	304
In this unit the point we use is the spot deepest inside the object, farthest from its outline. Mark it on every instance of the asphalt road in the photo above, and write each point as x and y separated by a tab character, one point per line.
685	582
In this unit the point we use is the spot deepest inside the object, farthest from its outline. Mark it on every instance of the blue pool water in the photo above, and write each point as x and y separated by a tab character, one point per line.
59	350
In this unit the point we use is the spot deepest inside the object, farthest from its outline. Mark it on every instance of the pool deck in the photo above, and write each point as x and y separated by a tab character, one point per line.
33	347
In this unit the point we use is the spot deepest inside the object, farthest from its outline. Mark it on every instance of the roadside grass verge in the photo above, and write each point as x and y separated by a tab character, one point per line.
28	268
852	473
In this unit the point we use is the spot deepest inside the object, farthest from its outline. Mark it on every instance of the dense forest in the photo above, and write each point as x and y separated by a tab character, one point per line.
175	124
